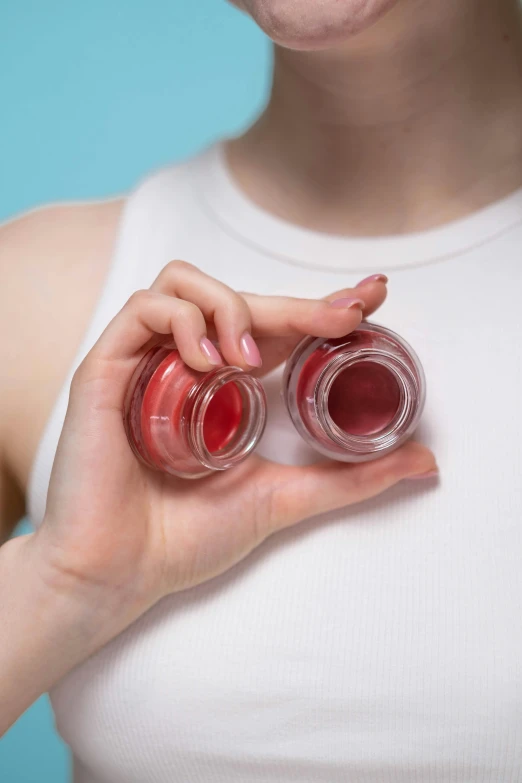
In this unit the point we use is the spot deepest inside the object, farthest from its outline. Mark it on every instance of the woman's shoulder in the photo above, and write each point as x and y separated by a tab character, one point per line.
46	244
53	263
52	258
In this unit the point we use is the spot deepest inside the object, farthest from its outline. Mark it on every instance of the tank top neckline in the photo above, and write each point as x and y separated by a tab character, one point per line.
297	245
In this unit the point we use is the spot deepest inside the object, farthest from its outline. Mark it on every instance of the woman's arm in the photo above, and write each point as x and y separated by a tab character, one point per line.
48	624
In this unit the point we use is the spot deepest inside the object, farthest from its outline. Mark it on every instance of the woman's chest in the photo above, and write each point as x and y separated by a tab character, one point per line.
385	639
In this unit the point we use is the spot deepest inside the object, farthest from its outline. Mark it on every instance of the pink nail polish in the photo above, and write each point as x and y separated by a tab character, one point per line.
380	278
357	397
210	351
190	423
347	303
250	350
428	474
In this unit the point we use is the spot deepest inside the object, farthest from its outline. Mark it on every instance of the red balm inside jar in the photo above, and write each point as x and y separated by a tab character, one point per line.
190	423
357	397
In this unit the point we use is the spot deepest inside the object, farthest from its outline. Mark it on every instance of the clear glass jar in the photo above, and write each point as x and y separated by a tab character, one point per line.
357	397
190	423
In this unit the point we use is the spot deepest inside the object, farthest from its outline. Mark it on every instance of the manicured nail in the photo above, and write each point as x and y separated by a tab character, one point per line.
347	303
428	474
250	350
209	351
373	279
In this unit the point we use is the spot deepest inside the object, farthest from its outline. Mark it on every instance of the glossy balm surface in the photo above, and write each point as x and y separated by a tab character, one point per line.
189	423
356	397
223	417
364	399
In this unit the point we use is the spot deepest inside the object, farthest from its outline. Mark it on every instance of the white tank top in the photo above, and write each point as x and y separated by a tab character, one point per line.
379	643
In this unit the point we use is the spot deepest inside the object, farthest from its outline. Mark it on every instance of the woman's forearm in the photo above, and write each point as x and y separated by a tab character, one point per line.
48	625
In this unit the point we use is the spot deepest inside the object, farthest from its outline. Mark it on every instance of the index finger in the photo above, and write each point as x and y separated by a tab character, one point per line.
280	316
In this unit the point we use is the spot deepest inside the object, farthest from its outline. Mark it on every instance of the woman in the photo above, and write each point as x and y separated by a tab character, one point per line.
381	640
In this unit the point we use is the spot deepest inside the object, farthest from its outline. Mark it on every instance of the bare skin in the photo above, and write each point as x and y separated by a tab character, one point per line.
413	123
56	260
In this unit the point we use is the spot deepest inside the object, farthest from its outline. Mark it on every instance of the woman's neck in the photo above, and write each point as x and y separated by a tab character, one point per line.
413	123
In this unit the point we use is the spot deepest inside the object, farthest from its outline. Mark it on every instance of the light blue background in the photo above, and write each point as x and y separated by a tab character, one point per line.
92	95
95	93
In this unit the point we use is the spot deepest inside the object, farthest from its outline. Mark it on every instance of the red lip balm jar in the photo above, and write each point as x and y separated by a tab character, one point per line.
191	423
357	397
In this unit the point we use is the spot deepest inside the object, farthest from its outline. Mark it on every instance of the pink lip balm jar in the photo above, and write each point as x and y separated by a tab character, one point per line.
355	398
190	423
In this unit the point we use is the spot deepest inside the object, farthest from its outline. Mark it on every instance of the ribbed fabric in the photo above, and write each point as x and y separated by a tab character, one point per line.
378	644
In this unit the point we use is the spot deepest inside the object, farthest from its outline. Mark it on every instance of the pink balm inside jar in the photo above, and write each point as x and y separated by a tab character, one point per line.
223	417
356	397
364	399
190	423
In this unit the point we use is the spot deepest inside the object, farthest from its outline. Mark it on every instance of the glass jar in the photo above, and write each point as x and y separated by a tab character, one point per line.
357	397
190	423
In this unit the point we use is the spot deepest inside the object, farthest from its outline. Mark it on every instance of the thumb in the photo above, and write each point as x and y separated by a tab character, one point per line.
301	492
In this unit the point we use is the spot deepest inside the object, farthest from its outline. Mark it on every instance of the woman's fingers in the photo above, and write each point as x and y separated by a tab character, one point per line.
184	302
280	322
372	289
236	319
283	316
222	307
145	315
300	492
334	316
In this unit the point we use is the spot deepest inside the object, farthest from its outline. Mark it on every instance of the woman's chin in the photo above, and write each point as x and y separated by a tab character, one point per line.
314	24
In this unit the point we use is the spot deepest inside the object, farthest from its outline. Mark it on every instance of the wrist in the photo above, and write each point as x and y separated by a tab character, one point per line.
51	622
94	611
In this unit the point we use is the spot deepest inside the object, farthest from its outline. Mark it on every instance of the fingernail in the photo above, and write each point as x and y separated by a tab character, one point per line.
428	474
250	350
209	351
380	278
347	303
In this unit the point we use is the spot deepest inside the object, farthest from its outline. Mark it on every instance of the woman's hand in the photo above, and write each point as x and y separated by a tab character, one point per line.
132	535
117	536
